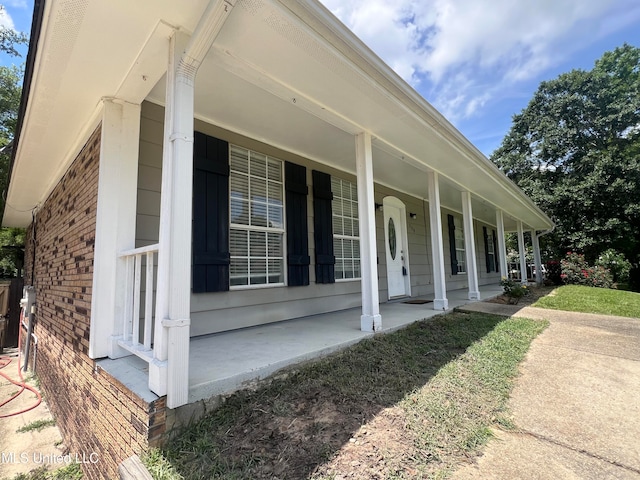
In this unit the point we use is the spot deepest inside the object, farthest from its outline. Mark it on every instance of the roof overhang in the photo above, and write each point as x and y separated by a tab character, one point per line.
284	72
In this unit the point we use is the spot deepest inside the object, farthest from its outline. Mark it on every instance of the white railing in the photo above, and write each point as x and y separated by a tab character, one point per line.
135	339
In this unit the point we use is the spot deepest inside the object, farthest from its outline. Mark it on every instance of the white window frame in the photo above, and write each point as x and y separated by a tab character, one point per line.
461	253
337	196
281	231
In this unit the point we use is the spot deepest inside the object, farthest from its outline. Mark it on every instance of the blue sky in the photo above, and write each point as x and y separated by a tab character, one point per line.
477	61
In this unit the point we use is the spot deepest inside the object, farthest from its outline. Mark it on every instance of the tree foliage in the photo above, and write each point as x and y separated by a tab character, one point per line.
10	39
575	149
10	93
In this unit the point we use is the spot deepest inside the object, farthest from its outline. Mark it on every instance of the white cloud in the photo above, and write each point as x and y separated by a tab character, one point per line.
5	20
466	51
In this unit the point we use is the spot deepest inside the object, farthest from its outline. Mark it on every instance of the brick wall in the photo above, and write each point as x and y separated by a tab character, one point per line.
95	412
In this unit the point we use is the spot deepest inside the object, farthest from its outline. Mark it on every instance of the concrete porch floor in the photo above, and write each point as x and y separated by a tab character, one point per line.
224	362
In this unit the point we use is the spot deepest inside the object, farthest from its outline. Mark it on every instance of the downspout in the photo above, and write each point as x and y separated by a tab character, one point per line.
174	263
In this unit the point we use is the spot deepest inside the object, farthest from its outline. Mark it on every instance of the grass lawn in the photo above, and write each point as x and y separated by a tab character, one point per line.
578	298
410	404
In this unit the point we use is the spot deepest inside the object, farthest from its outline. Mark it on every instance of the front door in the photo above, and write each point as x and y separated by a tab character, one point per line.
395	233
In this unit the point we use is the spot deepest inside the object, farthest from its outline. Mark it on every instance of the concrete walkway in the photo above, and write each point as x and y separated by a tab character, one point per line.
576	405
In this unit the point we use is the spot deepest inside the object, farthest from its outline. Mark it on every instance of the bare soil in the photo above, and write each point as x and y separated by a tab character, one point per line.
534	294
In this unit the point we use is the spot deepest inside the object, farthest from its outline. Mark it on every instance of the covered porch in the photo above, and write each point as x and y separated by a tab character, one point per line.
222	363
286	80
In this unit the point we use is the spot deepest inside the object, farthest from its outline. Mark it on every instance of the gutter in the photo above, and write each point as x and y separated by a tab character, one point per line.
34	38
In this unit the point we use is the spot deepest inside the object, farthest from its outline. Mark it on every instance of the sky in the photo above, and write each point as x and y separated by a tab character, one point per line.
478	62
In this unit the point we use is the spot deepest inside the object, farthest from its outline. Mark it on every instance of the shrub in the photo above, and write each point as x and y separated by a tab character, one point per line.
616	263
634	278
514	290
554	272
576	271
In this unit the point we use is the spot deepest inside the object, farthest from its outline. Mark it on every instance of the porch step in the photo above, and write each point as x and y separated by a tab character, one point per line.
133	469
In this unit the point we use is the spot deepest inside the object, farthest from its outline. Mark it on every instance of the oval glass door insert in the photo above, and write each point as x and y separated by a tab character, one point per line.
392	238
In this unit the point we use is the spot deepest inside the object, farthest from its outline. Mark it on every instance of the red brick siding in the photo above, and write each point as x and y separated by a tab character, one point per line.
95	412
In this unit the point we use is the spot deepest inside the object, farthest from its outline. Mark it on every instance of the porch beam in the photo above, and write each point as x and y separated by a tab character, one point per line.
437	246
522	253
169	373
502	248
370	320
470	247
115	223
537	258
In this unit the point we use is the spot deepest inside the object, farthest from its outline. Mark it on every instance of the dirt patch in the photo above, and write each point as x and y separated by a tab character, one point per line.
377	449
23	447
534	294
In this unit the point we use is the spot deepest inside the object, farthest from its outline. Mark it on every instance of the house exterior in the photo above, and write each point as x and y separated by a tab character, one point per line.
186	169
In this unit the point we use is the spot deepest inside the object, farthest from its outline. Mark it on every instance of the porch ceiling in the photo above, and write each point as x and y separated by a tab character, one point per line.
281	71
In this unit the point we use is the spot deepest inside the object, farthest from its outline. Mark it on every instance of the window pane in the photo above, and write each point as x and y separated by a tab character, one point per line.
258	165
257	271
238	272
259	214
274	170
274	244
275	217
276	272
258	189
256	200
238	244
239	210
239	159
356	268
275	193
258	244
345	229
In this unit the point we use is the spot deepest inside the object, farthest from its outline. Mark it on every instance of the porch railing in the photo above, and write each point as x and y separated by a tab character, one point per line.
138	325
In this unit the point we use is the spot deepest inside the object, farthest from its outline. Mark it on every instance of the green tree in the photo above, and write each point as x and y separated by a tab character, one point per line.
575	149
11	239
10	39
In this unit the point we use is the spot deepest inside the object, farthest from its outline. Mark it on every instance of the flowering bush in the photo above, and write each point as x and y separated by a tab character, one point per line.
576	271
616	263
554	271
514	290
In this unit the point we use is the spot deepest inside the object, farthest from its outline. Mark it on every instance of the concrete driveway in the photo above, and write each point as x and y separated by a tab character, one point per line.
576	405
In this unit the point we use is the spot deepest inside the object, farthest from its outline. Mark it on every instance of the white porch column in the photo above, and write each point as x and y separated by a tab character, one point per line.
370	320
537	258
502	249
115	222
169	372
437	249
522	252
470	247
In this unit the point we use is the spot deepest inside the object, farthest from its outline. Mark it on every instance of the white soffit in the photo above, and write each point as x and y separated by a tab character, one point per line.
283	72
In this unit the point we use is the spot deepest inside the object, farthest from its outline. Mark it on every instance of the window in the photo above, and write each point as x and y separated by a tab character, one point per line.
459	242
491	253
256	219
346	239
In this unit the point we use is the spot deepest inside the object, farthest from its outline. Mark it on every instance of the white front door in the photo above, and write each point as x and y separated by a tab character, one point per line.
395	234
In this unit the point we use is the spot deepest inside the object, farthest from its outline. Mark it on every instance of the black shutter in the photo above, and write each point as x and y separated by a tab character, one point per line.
452	245
496	258
323	228
295	178
486	249
210	214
